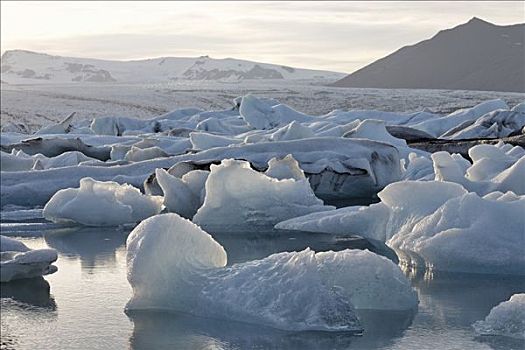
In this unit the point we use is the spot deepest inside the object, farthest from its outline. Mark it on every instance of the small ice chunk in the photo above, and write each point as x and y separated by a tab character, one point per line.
285	168
97	203
506	319
178	196
375	130
17	261
136	154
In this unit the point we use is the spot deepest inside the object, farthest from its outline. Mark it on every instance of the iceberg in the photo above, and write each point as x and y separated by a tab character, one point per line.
17	261
284	168
238	196
182	195
97	203
52	147
173	264
263	115
15	161
440	126
136	154
374	130
493	169
437	224
63	127
506	319
19	161
496	124
203	141
335	167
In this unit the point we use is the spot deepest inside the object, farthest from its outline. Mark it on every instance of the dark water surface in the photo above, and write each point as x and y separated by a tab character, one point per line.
82	305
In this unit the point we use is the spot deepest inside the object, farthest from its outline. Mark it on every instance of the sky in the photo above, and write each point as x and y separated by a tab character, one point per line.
337	36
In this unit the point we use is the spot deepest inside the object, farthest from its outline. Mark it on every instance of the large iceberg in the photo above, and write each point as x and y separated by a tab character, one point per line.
17	261
238	196
506	319
173	264
438	224
97	203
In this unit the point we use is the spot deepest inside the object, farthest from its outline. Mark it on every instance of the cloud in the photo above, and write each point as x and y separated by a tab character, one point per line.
340	36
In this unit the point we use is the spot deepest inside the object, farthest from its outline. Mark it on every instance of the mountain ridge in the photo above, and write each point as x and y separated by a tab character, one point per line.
476	55
29	66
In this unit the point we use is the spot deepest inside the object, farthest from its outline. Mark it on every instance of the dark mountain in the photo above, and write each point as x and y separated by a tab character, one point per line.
477	55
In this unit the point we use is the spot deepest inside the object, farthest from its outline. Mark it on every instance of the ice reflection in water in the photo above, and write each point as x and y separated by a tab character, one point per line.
155	330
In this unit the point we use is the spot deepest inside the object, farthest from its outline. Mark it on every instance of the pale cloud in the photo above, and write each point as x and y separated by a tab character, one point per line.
341	36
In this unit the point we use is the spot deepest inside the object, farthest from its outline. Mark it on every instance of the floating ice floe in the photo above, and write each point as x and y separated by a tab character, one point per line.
506	319
97	203
203	141
498	167
63	127
495	124
494	168
52	147
19	161
17	261
374	130
136	154
263	115
185	194
438	224
336	167
439	126
173	264
284	168
238	196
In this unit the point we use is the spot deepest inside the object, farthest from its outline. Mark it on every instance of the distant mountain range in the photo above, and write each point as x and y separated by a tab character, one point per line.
20	66
477	55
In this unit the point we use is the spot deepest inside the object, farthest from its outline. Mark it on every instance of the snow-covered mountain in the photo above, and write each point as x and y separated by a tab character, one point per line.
476	55
20	66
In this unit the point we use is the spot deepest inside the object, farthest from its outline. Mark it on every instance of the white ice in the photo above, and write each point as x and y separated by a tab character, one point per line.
506	319
97	203
439	126
17	261
173	264
238	196
437	224
335	166
494	168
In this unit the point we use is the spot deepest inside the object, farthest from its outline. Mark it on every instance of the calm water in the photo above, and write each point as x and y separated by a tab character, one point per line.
82	305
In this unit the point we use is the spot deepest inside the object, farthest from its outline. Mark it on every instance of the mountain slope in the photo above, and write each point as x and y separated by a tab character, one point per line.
20	66
477	55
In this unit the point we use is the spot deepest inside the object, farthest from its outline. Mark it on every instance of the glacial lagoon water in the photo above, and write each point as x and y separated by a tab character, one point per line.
82	305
